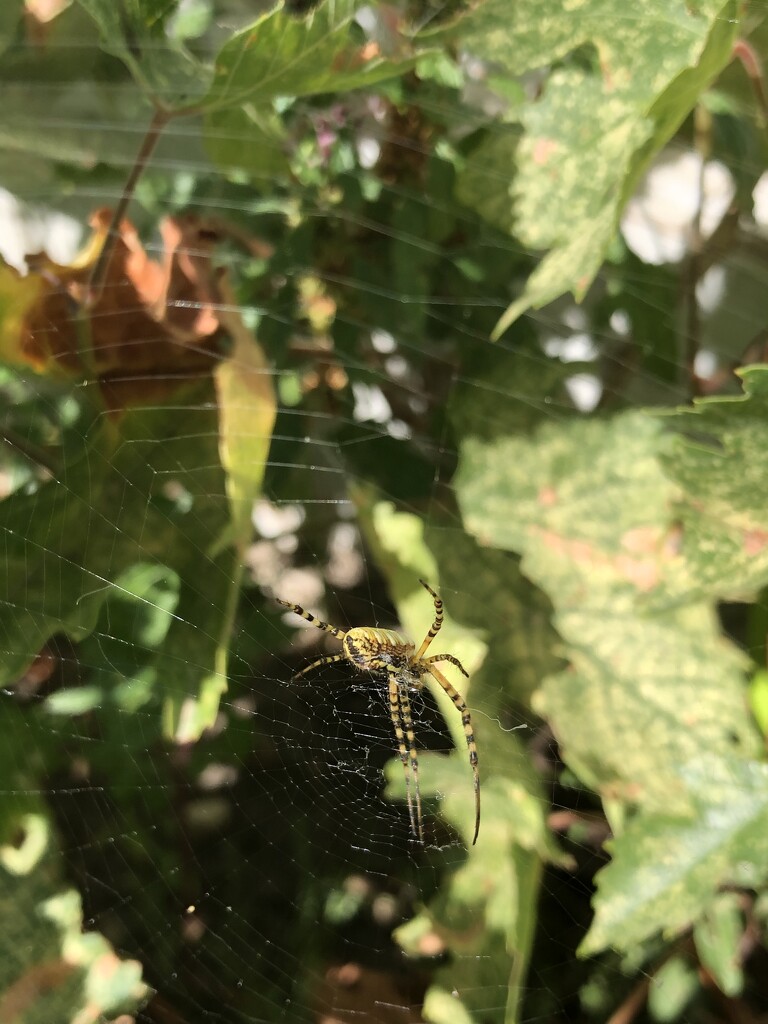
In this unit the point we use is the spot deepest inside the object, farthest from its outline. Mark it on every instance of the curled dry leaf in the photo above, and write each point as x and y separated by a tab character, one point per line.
152	328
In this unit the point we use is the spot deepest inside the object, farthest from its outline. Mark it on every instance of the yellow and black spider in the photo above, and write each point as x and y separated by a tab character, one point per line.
371	649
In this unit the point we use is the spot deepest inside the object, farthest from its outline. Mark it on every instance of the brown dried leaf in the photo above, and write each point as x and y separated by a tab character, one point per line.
152	327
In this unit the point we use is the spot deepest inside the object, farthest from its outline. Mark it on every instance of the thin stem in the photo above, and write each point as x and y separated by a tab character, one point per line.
703	145
743	52
101	267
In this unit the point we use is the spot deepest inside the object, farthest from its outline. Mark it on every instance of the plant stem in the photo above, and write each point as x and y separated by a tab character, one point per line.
744	52
101	267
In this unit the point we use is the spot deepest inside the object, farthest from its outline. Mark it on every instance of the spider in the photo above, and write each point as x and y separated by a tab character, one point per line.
371	649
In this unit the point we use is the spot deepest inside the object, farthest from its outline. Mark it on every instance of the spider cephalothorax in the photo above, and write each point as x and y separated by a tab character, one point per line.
371	649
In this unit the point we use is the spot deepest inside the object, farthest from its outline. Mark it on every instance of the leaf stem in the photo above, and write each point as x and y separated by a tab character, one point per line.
101	267
746	54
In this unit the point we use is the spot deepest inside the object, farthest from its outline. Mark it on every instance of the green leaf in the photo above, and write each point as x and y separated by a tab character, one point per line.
283	55
119	655
74	701
650	678
136	32
68	544
10	16
496	601
666	869
718	936
248	142
496	885
672	988
590	135
247	405
499	881
758	700
484	182
723	508
50	969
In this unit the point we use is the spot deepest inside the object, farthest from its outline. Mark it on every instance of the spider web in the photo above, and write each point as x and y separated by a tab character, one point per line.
259	873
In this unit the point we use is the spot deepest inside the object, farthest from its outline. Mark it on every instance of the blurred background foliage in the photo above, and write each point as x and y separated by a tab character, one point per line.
316	300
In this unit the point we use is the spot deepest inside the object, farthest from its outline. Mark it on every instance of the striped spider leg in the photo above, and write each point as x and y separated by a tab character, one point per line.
375	650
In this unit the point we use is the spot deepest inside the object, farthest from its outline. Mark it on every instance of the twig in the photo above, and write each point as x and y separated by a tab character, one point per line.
634	1002
99	273
743	52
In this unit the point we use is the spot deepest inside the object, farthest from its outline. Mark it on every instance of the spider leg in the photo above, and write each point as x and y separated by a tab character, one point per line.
434	629
298	610
448	657
394	714
329	660
466	721
405	707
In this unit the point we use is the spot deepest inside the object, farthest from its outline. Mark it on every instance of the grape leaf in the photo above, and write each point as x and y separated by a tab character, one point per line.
717	461
248	141
651	679
590	135
718	936
326	51
135	31
666	869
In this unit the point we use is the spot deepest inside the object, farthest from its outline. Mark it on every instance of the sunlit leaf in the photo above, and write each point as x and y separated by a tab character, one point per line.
136	32
666	869
650	678
718	936
716	461
281	54
589	135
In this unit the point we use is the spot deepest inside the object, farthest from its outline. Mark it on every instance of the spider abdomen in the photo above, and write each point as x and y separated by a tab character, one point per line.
370	648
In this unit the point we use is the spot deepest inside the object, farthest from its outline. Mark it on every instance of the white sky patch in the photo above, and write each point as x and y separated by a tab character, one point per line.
368	151
25	230
585	390
399	429
370	403
576	348
760	200
620	322
274	520
705	363
287	544
396	366
710	290
383	341
658	221
345	563
575	317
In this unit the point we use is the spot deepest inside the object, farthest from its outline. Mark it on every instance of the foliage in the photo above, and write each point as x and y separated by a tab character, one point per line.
334	208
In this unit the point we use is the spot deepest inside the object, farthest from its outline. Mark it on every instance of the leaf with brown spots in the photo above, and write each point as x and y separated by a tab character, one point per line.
651	680
590	131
